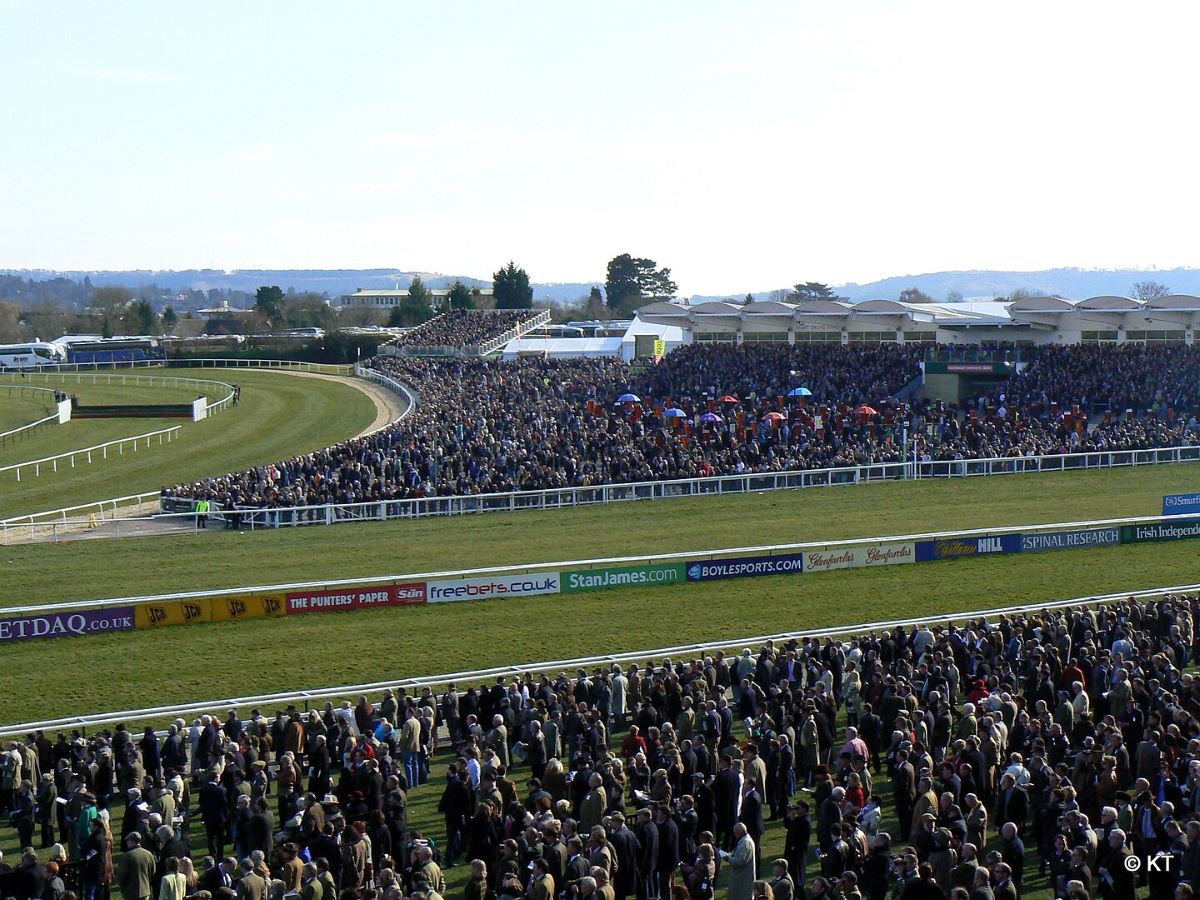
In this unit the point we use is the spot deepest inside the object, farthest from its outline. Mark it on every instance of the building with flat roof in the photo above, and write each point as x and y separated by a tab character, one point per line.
1026	322
388	299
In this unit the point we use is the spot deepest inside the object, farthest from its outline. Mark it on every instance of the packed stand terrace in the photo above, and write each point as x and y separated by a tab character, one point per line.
1139	377
970	760
463	328
492	427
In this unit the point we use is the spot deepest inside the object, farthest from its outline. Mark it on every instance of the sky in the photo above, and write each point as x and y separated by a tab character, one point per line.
746	145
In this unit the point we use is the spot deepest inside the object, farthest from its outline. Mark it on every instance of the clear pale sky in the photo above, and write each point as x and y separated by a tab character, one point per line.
746	145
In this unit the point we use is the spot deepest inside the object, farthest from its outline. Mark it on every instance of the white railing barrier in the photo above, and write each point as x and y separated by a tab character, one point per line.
284	364
86	452
74	516
17	432
566	498
396	387
563	564
108	378
203	363
415	685
25	430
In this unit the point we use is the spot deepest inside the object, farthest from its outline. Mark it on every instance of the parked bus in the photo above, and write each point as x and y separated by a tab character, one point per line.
31	356
90	349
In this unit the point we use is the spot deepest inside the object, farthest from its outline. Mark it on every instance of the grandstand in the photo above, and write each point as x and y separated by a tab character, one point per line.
466	332
901	758
489	427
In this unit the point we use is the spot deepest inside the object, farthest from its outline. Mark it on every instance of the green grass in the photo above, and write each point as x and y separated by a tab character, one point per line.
279	415
47	573
80	433
17	410
172	665
188	663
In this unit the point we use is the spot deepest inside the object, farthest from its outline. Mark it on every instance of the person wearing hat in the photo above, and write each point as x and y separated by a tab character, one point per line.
646	834
943	859
926	803
595	803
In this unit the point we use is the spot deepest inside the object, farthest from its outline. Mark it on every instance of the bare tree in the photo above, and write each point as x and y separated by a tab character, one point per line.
1150	290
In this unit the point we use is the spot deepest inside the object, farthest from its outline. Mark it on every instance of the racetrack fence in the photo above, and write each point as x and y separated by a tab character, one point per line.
85	455
306	698
85	617
568	498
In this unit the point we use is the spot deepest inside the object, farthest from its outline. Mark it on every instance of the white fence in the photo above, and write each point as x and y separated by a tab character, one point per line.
566	498
64	520
100	513
285	364
396	387
566	564
73	517
86	453
415	685
204	386
22	390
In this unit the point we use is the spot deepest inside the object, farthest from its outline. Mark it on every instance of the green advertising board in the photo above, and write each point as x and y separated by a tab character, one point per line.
577	580
1160	531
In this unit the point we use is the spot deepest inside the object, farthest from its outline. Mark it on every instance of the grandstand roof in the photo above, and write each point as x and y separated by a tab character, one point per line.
1029	313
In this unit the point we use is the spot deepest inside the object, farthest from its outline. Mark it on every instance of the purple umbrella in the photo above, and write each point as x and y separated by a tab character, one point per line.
711	418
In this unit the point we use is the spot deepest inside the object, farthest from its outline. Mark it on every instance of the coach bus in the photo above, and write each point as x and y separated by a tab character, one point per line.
110	351
31	355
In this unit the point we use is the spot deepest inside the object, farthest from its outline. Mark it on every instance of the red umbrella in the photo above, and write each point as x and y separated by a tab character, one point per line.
866	411
728	399
775	417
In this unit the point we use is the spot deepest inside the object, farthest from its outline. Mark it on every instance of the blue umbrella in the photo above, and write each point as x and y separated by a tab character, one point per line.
629	398
674	413
710	418
800	392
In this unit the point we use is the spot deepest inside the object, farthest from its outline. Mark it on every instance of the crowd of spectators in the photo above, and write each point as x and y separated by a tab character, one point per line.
983	759
486	427
463	328
834	374
1120	377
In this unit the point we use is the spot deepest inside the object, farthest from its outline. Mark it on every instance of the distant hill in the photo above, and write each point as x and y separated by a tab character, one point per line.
334	282
1075	284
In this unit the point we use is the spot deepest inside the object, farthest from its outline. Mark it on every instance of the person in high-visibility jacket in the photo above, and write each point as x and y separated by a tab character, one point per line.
202	508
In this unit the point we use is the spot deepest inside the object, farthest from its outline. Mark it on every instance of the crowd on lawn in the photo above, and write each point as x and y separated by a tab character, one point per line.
1025	751
708	410
463	328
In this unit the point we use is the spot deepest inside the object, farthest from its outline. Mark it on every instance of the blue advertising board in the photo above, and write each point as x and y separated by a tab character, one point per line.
957	548
1070	540
1181	504
745	567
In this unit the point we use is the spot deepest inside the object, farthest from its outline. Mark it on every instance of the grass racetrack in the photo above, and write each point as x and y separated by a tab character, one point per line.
163	666
219	559
227	659
188	663
16	411
279	415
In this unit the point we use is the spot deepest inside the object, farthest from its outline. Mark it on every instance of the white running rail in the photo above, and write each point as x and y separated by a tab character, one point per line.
559	565
86	453
166	713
